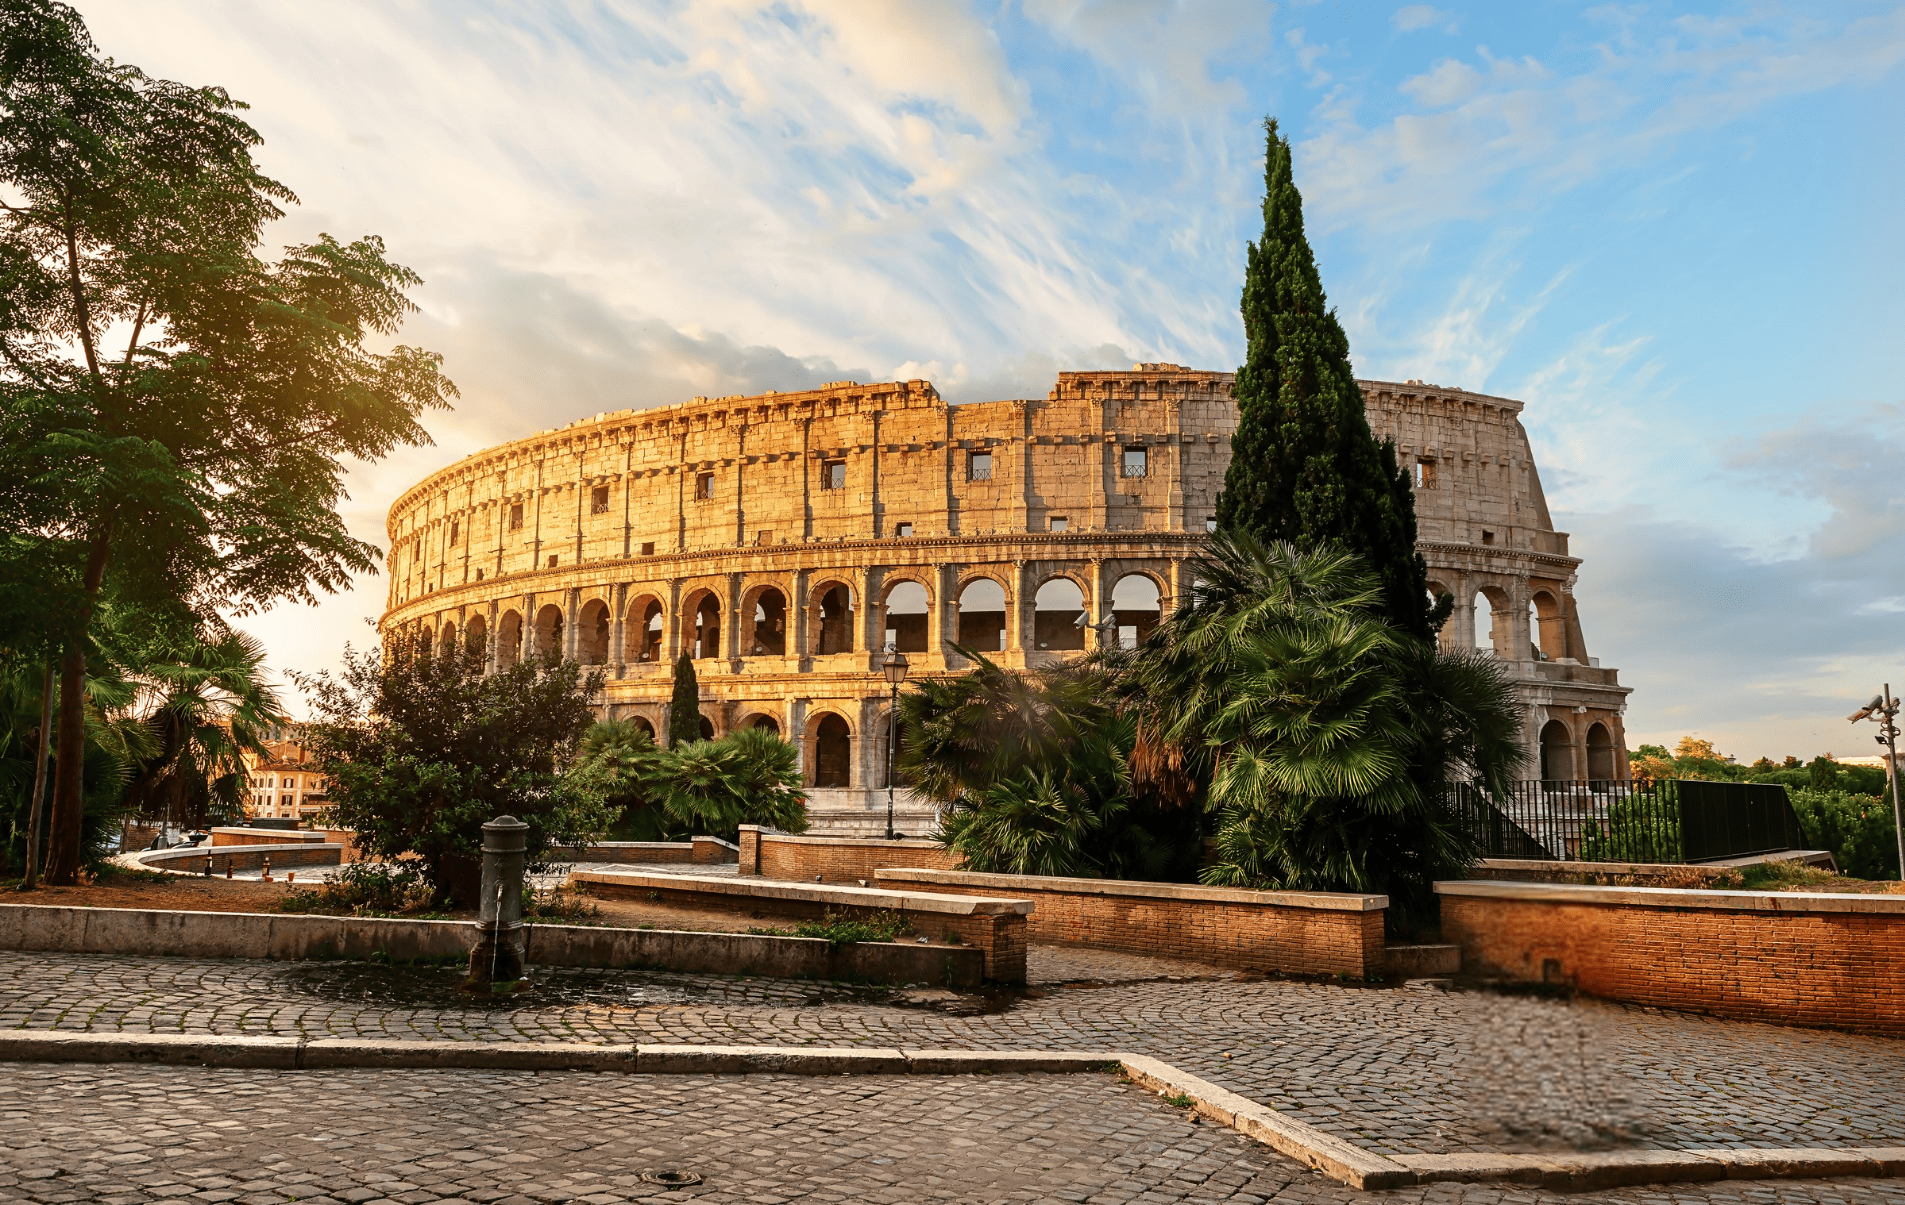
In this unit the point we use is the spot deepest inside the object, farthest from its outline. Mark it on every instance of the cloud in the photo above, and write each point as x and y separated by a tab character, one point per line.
1490	133
1422	16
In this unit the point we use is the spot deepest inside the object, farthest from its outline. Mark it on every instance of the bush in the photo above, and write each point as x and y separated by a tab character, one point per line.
841	930
1640	828
1857	829
364	889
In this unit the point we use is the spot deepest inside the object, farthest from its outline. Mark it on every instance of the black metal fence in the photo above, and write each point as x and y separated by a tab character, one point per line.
1681	820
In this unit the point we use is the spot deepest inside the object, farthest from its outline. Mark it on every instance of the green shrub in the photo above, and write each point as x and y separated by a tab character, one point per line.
364	889
1857	829
1640	828
841	930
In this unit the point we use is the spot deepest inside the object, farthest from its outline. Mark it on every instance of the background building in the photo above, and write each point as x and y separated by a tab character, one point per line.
784	540
284	784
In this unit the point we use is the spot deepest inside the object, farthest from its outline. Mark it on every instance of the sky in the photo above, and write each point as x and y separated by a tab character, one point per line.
1670	230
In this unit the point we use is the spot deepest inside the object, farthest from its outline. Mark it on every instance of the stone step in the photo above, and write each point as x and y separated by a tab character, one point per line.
1416	962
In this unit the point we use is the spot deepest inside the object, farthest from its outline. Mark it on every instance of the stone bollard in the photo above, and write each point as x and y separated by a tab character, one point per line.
497	956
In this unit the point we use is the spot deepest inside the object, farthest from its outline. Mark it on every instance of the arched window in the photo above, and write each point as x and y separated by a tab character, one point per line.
1058	616
642	723
645	630
769	624
706	728
1136	607
1489	637
474	633
833	621
509	640
906	618
833	752
1557	753
706	634
448	640
592	633
982	615
1600	754
549	631
1544	628
764	721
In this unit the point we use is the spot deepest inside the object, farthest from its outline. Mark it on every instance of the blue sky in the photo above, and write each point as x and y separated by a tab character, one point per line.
1670	230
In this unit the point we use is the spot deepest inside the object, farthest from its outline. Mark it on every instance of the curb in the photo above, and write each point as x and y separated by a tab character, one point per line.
1343	1161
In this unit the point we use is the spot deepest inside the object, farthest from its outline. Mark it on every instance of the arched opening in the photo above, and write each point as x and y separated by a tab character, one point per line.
1600	754
641	722
1446	637
763	721
1545	636
704	634
769	635
1491	622
833	752
1058	616
706	728
592	633
1557	753
425	641
1136	608
549	631
906	617
982	615
833	621
509	640
473	635
447	640
644	633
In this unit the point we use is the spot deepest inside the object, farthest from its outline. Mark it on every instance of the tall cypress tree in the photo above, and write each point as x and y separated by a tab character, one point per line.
1304	466
684	710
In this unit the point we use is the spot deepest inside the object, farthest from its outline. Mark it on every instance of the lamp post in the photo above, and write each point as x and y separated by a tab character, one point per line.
1884	709
895	668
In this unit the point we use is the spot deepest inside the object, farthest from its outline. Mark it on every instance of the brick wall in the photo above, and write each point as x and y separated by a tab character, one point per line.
1303	933
775	855
1788	958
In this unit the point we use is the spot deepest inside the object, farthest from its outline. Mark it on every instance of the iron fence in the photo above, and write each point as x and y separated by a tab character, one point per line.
1681	820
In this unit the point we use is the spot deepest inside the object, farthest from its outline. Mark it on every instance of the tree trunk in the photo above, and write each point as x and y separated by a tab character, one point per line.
62	847
63	831
39	782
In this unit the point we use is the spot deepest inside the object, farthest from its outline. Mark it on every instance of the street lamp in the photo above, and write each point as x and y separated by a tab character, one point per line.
1884	709
895	667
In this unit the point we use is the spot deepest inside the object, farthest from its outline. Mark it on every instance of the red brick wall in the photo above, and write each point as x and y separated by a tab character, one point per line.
1837	970
847	860
1265	937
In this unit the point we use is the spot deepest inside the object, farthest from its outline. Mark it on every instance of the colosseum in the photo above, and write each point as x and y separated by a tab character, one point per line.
786	541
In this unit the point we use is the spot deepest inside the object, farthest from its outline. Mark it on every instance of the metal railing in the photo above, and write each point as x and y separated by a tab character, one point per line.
1681	820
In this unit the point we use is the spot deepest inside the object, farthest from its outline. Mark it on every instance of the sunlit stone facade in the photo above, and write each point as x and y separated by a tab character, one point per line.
784	540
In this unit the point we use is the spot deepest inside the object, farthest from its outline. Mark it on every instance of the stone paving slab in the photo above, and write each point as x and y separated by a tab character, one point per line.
1395	1070
139	1135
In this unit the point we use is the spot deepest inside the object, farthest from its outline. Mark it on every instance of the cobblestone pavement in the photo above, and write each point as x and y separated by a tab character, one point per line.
131	1135
1397	1069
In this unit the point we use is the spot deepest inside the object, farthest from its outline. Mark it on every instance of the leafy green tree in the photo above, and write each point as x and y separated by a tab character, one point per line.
1032	770
684	709
1326	737
421	750
1304	466
701	788
1641	827
198	456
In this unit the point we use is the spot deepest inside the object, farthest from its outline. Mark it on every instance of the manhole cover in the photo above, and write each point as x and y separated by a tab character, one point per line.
672	1179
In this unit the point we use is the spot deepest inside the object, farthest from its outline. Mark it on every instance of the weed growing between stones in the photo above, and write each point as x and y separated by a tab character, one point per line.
842	930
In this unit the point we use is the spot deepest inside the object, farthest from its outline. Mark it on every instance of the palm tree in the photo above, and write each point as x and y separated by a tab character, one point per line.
204	709
1323	738
695	788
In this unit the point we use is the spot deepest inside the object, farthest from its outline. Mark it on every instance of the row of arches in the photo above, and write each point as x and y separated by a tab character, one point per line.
830	739
1559	754
1543	624
1060	620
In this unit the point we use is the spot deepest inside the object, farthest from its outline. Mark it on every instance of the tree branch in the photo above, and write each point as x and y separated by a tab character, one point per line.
138	327
81	311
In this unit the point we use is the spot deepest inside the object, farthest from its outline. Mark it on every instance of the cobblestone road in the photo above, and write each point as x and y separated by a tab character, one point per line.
132	1135
1395	1069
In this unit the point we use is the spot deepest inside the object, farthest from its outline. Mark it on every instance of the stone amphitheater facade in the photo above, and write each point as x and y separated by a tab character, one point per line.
786	540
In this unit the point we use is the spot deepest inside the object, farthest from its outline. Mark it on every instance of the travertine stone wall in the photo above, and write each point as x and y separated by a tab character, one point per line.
783	539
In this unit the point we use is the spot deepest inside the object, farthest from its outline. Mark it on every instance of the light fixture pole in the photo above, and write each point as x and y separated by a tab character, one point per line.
1884	709
895	667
